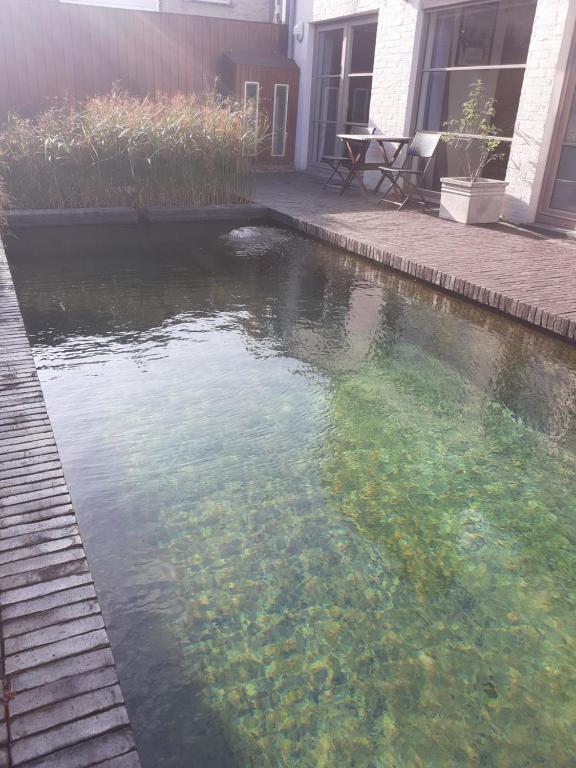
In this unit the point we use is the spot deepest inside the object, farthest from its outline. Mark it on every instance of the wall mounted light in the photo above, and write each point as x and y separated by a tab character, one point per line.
298	31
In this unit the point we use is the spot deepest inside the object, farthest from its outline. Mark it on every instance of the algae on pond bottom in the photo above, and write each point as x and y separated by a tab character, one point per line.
395	590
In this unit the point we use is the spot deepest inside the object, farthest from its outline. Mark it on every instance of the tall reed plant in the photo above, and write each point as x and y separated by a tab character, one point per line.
120	150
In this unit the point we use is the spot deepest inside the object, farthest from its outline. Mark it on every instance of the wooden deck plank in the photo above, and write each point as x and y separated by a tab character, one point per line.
66	706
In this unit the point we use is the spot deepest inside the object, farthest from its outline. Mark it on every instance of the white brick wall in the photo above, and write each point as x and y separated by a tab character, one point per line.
549	47
324	10
394	66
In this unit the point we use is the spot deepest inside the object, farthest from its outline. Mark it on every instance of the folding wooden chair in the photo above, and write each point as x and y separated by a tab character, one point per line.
340	164
422	147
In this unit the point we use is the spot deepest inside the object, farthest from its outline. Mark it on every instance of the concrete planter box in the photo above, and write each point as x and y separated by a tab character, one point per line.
472	202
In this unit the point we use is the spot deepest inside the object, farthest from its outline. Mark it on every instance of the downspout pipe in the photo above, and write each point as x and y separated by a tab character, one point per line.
291	20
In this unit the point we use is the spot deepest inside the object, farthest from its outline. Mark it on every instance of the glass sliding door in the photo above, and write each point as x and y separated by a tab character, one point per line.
564	190
327	87
558	203
485	41
344	60
359	75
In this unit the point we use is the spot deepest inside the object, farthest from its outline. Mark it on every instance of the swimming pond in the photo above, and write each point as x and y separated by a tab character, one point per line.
329	512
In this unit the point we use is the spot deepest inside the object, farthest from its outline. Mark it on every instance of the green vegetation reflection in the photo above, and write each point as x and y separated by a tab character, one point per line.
394	589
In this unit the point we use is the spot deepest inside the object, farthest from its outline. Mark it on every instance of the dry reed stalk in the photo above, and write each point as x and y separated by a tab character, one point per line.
119	150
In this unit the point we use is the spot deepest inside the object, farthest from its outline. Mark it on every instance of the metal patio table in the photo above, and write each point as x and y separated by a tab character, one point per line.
357	146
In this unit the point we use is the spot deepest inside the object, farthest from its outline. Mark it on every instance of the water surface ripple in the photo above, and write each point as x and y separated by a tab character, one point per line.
329	512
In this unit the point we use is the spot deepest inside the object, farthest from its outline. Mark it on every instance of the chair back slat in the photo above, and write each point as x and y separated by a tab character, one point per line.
424	144
422	148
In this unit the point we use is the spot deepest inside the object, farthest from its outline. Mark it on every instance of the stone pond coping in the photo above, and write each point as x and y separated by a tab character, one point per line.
77	216
62	706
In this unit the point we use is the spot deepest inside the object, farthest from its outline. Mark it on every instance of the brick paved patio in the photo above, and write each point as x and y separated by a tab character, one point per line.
527	275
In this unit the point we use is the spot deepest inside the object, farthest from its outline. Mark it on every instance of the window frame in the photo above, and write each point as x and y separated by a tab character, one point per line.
274	115
245	152
347	25
556	217
429	8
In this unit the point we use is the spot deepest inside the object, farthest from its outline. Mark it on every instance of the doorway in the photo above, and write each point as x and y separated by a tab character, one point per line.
558	200
342	85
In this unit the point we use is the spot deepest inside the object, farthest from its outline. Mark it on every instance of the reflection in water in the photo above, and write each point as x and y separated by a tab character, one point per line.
329	511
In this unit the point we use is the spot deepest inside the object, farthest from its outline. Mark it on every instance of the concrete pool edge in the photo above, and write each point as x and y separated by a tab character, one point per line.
77	216
62	703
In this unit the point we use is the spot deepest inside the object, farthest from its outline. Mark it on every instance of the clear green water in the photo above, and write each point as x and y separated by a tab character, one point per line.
330	513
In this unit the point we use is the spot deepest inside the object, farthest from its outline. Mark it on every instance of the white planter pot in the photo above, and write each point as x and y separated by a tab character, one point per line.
472	202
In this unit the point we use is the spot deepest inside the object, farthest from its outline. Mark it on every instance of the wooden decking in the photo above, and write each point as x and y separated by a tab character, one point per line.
527	275
62	704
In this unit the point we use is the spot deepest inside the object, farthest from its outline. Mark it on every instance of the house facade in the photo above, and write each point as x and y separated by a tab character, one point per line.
404	65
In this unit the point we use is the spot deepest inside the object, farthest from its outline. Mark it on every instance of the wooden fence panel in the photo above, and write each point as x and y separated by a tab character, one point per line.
52	50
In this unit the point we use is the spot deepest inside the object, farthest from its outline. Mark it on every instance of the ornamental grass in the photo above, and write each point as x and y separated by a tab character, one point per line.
121	150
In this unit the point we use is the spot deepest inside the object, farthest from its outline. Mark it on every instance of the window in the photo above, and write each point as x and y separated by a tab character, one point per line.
561	200
279	120
327	91
342	82
360	75
558	197
485	41
564	192
251	98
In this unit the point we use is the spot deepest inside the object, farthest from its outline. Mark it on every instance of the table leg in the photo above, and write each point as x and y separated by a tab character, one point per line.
396	187
386	162
383	153
399	149
356	161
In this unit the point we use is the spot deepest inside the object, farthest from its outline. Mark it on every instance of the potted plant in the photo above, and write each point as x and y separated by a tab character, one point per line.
472	199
